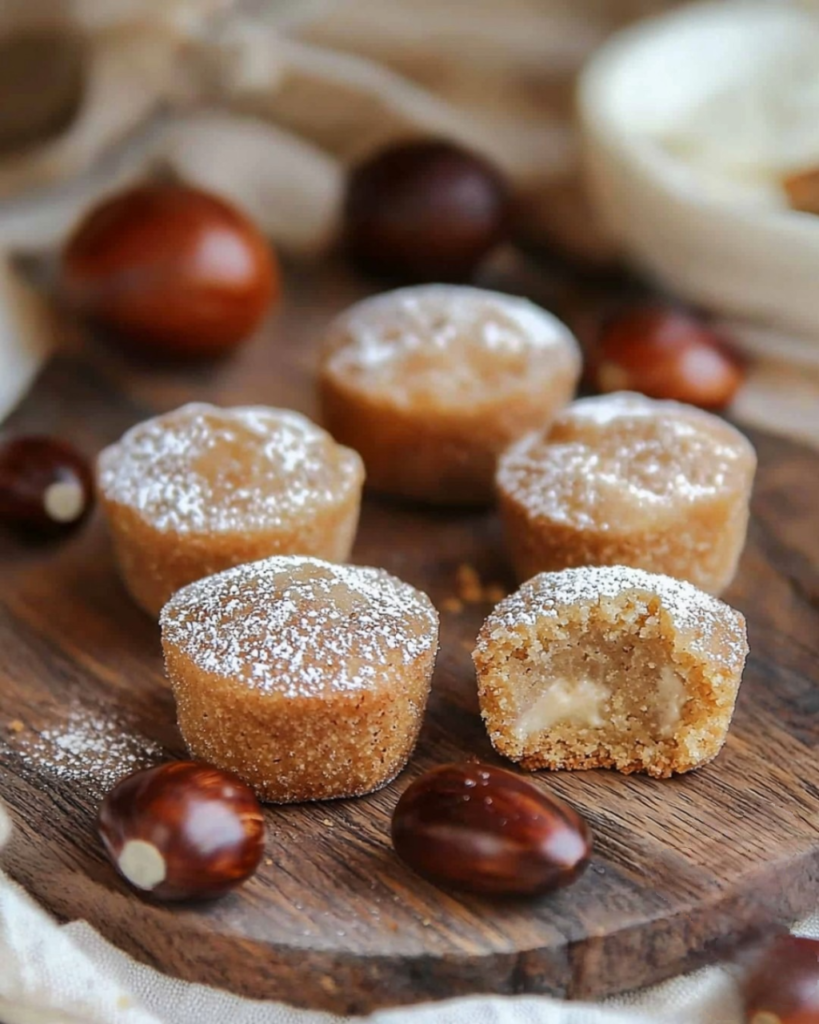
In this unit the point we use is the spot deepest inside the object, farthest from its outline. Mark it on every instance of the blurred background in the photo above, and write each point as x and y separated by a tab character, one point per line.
116	87
272	104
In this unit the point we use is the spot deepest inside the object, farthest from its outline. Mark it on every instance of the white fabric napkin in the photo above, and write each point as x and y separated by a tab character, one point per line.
52	974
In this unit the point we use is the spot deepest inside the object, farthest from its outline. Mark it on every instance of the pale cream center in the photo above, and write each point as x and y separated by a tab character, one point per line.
671	697
580	701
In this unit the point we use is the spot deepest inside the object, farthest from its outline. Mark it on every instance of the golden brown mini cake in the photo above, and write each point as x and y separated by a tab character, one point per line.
610	667
307	679
430	384
625	480
202	489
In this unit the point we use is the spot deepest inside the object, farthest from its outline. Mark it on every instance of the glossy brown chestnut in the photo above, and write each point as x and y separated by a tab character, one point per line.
424	211
666	353
182	830
46	486
783	984
174	270
471	826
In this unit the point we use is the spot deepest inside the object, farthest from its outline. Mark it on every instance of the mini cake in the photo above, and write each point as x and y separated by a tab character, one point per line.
430	384
202	489
625	480
307	679
610	667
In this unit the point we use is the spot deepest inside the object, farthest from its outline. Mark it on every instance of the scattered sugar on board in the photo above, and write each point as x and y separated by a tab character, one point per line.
202	468
411	329
694	612
299	626
91	748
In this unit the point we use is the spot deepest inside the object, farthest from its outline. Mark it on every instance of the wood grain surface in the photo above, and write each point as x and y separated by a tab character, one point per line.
683	869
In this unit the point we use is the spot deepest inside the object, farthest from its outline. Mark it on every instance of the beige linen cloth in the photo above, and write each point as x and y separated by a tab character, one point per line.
268	102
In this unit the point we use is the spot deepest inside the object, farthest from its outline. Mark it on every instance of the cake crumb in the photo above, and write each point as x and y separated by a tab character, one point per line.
802	189
471	589
268	862
327	822
15	726
468	584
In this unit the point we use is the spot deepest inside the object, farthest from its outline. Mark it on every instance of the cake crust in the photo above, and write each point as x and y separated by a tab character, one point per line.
430	384
201	489
307	679
626	480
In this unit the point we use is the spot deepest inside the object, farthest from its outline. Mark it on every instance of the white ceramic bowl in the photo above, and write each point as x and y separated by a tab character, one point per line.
753	261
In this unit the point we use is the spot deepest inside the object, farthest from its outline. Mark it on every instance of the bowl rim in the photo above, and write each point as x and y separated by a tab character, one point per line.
638	150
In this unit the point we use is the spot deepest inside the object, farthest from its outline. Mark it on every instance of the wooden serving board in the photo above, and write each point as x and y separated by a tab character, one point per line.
682	868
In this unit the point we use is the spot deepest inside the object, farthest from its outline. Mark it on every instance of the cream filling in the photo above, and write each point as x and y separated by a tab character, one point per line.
584	702
580	701
671	698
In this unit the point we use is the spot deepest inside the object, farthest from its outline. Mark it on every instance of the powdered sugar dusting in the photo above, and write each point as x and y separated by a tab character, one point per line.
605	409
447	338
608	462
90	748
695	613
299	626
206	469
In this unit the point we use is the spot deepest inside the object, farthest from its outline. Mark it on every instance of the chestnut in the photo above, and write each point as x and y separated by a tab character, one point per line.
46	485
174	270
425	210
782	986
666	353
484	829
182	830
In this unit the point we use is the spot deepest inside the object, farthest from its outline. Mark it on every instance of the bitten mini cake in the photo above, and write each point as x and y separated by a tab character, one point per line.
307	679
430	384
610	667
202	489
624	480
